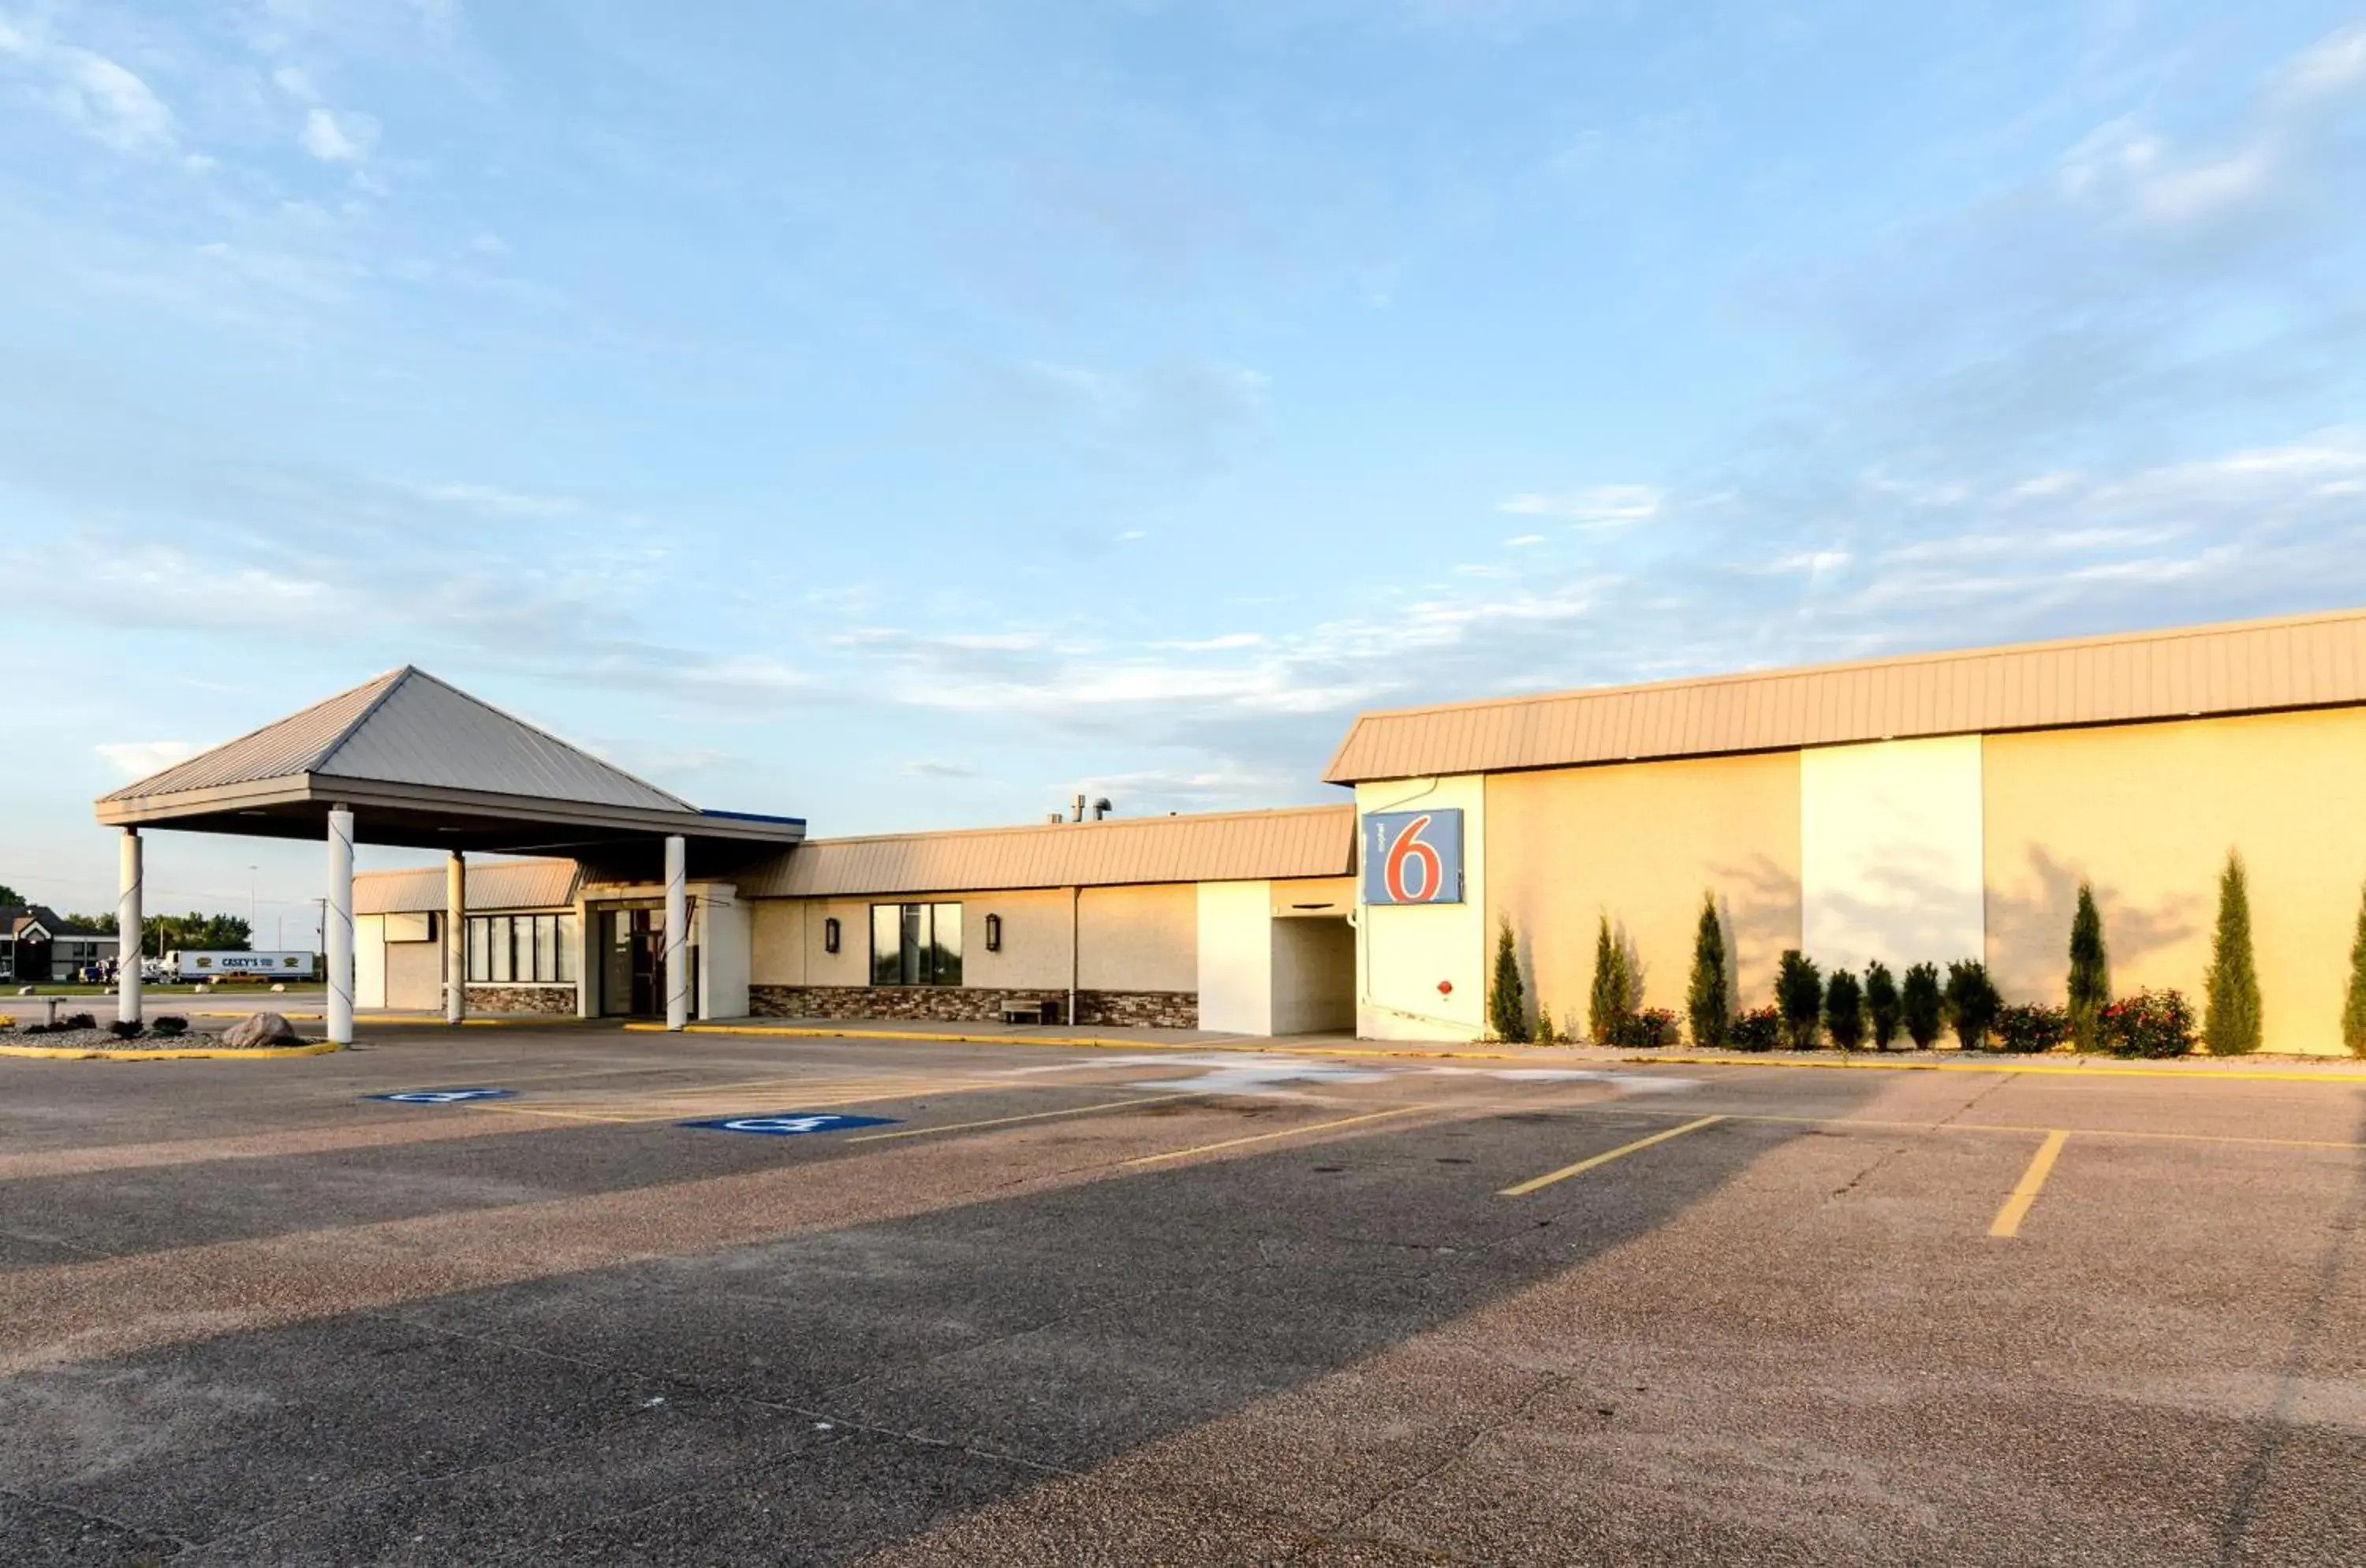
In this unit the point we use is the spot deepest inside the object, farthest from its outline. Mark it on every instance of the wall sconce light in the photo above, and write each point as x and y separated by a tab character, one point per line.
830	934
994	933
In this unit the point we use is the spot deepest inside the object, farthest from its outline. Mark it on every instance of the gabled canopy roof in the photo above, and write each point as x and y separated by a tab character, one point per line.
421	763
2299	661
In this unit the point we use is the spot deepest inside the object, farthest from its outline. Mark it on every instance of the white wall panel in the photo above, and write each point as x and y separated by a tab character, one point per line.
1236	956
1891	865
1403	951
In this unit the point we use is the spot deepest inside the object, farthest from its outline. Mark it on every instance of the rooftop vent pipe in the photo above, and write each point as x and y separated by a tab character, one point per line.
1101	807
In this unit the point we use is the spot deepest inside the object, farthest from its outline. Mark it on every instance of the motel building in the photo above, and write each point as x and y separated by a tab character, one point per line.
1925	809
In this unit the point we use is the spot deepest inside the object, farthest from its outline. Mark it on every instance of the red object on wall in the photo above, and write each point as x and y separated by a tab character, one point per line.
1446	987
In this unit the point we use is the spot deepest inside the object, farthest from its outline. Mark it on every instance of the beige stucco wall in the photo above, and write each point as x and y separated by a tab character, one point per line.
2149	812
1642	842
414	976
1133	939
1236	963
1141	939
1404	951
1890	867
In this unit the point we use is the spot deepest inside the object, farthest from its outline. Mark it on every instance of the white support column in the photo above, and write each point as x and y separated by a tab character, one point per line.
677	932
339	937
126	932
456	937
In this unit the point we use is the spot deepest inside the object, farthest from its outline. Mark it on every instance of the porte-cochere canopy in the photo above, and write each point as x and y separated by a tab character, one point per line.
423	764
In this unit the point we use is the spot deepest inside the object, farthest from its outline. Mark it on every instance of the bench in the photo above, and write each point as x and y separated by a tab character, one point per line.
1027	1012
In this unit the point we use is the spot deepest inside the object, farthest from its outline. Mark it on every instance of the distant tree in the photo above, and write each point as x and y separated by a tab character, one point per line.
2230	1008
104	924
1707	1000
2091	970
1972	1002
1921	1007
2353	1006
10	896
1613	996
1800	997
1844	1011
1881	1004
1507	1000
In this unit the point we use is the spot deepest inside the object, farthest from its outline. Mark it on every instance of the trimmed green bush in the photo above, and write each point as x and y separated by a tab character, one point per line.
1800	997
2353	1006
1881	1004
1708	1004
1613	997
170	1026
2090	969
2230	996
1844	1011
1646	1028
2032	1028
126	1029
1972	1002
1507	1000
2150	1024
1760	1028
1920	1006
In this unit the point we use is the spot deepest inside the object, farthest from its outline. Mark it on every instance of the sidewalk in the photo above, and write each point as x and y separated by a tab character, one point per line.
2335	1069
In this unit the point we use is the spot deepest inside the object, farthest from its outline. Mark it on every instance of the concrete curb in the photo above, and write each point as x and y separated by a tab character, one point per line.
2337	1071
188	1054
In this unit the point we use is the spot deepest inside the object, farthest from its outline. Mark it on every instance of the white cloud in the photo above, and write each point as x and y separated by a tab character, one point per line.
501	502
1600	505
138	759
96	95
923	769
337	138
297	83
1522	541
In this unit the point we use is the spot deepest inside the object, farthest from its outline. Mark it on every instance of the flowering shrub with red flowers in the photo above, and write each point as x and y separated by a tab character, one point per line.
1758	1030
1646	1029
2150	1024
2032	1028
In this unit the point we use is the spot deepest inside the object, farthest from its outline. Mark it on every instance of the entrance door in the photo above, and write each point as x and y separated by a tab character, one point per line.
632	966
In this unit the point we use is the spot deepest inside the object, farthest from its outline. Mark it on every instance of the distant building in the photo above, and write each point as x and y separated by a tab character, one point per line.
38	946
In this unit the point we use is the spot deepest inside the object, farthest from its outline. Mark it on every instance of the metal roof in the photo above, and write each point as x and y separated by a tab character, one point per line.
423	764
491	884
1241	846
407	726
2297	661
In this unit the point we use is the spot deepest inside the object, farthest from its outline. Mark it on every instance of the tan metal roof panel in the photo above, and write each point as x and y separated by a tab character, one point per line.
406	726
2243	667
1244	846
491	884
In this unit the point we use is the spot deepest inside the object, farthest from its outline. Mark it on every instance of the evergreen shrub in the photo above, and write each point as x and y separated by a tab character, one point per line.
1707	1000
1844	1011
2353	1006
2230	994
1646	1028
1919	1006
1881	1004
1507	1002
1972	1002
2090	969
1799	995
2032	1028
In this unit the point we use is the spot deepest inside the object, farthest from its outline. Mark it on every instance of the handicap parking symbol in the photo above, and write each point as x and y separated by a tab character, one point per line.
788	1123
442	1096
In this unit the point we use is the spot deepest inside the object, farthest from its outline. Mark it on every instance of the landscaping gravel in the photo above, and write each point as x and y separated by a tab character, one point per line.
105	1040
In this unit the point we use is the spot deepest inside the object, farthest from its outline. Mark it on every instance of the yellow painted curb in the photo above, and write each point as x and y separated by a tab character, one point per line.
2008	1065
192	1052
504	1020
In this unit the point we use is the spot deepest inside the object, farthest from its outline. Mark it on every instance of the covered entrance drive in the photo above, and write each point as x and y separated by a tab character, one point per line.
406	759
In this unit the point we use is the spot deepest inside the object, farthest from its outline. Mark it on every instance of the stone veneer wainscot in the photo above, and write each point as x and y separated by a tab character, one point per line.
550	1000
970	1004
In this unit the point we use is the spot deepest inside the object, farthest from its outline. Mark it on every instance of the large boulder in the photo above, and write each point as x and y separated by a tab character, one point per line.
260	1029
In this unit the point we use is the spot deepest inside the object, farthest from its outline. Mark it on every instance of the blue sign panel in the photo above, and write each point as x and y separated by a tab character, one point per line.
788	1123
443	1096
1412	857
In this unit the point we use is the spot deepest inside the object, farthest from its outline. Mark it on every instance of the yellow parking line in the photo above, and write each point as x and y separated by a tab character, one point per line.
1283	1132
1582	1167
2033	1181
1006	1120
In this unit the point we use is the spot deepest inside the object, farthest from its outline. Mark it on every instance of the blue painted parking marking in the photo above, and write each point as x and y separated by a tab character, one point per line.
443	1096
788	1123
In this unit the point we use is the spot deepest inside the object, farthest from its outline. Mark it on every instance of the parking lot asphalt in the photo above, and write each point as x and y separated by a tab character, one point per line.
964	1304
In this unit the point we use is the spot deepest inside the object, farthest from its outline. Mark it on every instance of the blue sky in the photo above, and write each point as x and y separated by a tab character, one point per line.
902	414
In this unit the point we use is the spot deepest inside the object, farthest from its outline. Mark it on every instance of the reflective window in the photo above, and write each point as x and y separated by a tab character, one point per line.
915	945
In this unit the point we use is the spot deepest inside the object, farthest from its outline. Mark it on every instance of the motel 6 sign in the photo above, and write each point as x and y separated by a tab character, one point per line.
1412	857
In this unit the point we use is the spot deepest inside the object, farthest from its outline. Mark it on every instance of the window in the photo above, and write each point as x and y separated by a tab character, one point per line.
521	948
915	945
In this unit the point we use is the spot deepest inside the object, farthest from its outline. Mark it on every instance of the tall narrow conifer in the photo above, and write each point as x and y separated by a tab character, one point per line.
2091	970
2230	1016
1705	999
